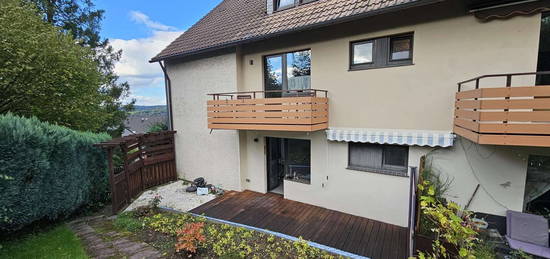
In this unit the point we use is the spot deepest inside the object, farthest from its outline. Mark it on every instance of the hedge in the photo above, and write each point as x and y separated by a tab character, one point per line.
47	172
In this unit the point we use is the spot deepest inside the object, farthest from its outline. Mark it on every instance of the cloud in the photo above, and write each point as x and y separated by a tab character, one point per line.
134	65
140	17
136	53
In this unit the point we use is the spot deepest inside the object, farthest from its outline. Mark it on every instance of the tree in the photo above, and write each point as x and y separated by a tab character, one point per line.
43	73
83	22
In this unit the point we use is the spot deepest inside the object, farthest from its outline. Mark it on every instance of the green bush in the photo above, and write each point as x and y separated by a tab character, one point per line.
47	171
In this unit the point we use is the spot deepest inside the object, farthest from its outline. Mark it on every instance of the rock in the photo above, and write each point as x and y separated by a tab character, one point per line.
191	189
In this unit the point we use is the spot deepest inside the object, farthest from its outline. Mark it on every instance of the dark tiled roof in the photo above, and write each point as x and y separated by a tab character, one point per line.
234	21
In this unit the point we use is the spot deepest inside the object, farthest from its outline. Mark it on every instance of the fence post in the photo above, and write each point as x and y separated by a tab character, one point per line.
125	172
412	209
111	177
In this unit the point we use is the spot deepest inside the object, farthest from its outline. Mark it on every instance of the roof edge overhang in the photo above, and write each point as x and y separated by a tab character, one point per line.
390	9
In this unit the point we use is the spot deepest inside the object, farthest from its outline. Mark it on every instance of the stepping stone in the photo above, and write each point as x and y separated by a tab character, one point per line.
146	254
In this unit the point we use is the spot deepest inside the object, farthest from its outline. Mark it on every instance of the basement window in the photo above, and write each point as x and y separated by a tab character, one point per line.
379	158
390	51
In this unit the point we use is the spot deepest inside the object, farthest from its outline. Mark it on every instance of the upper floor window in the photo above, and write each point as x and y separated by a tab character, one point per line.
382	52
281	4
284	4
287	71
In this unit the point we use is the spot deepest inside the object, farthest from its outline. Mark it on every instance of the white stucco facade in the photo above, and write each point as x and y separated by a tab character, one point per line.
500	171
198	153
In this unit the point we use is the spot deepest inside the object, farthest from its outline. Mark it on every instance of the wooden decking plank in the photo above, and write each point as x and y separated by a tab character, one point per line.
250	206
312	226
382	237
204	207
404	243
256	210
332	228
325	236
354	245
338	237
238	205
219	210
370	248
349	239
389	242
304	211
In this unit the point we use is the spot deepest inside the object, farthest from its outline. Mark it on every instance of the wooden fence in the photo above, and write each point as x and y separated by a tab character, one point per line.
139	162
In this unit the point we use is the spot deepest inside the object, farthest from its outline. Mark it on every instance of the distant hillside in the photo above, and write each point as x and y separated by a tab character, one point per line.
149	110
143	117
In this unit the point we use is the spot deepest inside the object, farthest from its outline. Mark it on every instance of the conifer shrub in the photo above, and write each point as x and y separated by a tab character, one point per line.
47	172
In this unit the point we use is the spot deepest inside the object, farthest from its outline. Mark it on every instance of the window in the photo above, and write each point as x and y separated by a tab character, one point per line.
282	4
400	48
362	52
377	158
285	4
288	71
382	52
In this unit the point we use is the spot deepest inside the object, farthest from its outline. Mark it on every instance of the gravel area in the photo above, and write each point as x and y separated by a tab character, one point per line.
173	196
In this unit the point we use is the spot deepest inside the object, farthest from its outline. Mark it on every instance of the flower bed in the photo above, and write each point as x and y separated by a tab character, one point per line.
184	235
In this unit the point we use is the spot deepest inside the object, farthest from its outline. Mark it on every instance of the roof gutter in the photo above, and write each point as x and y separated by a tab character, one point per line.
168	90
501	5
400	7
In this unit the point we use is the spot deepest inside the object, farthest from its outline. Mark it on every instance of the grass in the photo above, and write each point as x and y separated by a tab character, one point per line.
58	242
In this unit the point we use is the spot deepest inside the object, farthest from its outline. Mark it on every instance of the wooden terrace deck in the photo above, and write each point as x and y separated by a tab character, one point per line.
343	231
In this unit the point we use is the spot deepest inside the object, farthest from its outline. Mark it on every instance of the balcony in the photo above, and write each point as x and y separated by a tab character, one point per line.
510	115
287	110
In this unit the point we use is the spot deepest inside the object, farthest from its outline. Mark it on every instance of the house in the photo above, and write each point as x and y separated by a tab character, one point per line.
334	102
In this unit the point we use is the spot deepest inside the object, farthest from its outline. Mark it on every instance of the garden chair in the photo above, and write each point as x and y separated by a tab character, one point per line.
527	232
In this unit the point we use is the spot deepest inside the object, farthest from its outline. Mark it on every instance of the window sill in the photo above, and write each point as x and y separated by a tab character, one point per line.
379	171
302	181
360	68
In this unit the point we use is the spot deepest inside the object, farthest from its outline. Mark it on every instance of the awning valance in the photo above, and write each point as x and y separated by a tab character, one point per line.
392	136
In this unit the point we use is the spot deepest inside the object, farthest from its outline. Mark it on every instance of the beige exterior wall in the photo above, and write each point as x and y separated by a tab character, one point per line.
376	196
198	153
499	170
419	96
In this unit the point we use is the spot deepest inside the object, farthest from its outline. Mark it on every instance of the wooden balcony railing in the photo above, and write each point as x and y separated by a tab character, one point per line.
515	116
290	110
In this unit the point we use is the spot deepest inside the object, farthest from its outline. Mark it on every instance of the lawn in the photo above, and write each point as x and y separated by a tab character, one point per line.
57	242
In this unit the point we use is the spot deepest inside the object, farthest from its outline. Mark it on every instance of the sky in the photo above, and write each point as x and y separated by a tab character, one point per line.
141	29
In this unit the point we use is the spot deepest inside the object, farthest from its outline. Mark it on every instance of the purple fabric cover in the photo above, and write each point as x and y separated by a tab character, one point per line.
527	228
530	248
527	232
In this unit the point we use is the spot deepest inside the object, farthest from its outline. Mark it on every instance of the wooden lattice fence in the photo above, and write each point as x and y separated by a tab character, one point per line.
139	162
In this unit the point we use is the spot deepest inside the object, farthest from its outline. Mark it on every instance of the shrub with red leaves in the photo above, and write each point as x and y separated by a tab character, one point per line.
189	237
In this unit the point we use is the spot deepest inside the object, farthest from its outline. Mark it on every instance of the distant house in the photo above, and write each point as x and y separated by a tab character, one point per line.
333	102
143	118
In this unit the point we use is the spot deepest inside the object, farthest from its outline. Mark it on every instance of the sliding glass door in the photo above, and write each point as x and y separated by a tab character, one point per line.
288	71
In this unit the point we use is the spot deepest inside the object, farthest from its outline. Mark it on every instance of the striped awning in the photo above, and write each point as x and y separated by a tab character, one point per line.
392	136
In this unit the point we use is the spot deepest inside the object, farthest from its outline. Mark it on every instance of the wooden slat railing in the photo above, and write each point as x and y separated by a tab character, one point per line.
518	116
148	160
295	110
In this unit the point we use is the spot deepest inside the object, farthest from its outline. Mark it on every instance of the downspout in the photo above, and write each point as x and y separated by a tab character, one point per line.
168	90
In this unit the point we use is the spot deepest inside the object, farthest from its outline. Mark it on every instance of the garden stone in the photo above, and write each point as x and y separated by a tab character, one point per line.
110	244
